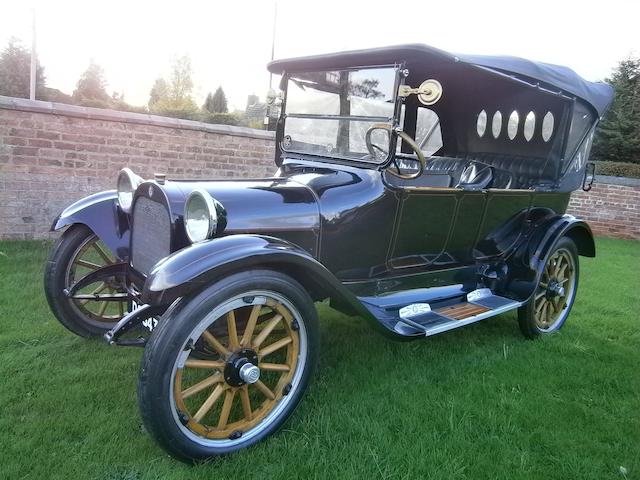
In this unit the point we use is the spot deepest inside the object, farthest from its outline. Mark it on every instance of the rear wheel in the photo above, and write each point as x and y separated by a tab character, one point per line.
77	253
228	367
551	303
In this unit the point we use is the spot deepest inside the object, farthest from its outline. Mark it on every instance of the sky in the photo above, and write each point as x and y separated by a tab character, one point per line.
229	43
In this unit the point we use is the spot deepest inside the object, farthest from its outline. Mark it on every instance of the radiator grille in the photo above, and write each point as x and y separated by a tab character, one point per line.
151	234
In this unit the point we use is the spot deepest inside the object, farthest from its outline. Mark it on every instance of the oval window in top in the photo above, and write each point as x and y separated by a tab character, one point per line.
547	126
529	126
512	125
481	125
496	124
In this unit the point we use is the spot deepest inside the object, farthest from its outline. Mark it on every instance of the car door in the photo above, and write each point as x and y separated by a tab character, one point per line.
437	224
437	227
423	227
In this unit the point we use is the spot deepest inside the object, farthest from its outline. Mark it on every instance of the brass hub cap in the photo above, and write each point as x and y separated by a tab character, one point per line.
555	290
257	354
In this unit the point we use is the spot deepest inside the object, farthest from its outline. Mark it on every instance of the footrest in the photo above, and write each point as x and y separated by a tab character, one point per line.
462	310
480	304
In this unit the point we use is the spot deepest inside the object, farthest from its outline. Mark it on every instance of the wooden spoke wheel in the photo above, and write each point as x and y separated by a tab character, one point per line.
91	255
257	345
242	364
551	303
77	253
556	286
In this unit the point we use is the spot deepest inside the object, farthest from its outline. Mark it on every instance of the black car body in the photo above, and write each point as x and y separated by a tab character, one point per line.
416	245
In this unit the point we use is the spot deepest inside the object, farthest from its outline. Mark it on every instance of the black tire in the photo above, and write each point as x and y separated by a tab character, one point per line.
56	280
530	324
157	397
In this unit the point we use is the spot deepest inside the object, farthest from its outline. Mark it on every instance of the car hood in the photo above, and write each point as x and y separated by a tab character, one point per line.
278	207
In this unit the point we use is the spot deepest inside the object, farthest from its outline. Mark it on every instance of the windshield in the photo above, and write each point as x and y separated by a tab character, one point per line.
329	113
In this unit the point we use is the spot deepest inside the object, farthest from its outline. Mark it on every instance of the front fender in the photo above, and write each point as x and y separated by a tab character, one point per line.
99	212
527	264
192	268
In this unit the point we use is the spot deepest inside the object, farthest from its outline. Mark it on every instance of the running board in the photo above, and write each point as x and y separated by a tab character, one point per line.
480	304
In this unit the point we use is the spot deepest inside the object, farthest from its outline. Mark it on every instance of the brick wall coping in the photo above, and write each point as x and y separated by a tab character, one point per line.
629	182
26	105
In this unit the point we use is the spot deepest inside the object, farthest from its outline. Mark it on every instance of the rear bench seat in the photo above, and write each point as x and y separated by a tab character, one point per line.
526	172
507	171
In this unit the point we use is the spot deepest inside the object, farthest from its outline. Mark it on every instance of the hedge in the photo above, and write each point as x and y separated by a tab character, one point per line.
618	169
220	118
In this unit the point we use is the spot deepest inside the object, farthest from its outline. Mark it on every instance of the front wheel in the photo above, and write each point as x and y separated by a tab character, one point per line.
549	307
77	253
227	367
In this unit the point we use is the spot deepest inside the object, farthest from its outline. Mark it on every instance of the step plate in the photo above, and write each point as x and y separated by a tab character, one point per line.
459	315
493	301
462	310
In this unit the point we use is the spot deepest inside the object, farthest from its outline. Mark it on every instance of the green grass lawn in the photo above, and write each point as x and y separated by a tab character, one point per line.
480	402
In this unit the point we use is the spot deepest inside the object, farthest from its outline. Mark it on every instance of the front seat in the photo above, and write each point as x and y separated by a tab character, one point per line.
475	176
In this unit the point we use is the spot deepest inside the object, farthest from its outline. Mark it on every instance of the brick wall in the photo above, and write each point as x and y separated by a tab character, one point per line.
611	210
54	154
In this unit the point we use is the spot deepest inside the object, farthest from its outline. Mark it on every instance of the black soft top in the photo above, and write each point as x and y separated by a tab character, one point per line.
599	95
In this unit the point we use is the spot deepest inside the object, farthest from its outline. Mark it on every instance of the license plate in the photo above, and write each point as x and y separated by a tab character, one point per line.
148	323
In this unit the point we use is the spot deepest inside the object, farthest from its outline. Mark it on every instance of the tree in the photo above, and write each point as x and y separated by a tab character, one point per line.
174	98
55	95
15	69
216	103
159	93
119	103
91	89
208	103
367	88
618	136
181	82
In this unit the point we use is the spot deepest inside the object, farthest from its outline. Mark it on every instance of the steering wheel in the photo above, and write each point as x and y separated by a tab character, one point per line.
414	146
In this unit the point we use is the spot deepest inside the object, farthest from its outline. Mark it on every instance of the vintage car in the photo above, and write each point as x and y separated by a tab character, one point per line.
418	190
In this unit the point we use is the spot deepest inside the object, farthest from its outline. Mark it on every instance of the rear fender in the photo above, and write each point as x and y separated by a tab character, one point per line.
193	268
101	213
526	265
568	226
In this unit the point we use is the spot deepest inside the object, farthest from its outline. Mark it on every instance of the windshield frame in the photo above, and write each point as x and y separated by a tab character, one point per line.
334	157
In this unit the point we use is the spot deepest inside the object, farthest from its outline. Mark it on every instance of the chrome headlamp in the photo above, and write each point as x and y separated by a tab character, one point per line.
127	184
200	216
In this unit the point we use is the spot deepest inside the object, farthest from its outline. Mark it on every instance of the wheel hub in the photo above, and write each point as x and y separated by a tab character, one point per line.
555	289
241	368
249	373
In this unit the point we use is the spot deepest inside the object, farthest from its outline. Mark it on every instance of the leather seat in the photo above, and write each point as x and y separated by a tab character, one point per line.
440	172
516	171
504	171
446	164
476	176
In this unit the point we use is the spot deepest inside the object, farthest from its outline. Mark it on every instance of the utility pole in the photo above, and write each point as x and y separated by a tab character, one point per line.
267	116
273	37
34	66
